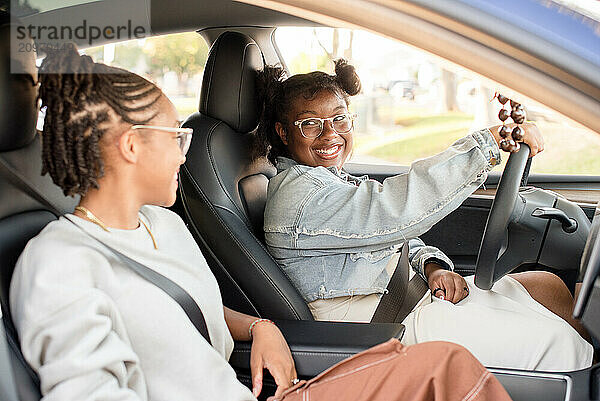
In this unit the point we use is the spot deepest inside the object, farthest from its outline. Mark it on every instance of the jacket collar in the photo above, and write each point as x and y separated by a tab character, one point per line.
283	163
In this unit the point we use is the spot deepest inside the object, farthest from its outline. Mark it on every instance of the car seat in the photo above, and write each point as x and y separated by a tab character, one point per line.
223	191
23	213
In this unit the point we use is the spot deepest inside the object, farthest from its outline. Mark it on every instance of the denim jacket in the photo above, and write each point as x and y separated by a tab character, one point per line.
333	234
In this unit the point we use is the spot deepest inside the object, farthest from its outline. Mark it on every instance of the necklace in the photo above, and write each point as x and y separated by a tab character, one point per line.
99	222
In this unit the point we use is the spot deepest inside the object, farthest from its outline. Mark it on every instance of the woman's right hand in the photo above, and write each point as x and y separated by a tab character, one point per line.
531	136
271	351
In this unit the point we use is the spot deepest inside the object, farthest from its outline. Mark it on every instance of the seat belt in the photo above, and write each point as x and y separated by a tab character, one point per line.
417	287
187	303
402	295
8	387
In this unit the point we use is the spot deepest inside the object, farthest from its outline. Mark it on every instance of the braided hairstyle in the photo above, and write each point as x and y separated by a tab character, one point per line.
276	96
78	113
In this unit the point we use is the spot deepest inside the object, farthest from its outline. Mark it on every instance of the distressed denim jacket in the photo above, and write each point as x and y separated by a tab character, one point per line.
333	234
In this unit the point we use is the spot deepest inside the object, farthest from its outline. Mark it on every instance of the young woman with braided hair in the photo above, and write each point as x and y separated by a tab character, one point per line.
86	103
338	237
94	330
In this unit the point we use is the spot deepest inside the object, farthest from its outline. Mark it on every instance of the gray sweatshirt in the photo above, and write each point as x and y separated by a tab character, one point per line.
94	330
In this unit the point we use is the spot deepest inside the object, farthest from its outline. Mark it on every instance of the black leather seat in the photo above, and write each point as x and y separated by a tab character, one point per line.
223	191
21	215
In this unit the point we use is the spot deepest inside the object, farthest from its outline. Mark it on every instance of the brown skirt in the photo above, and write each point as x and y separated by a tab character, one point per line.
391	371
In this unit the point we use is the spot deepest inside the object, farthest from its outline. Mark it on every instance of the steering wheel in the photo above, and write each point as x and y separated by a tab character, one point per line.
514	175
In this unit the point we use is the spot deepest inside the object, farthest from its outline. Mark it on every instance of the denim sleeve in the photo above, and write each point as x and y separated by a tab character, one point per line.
317	212
420	254
488	146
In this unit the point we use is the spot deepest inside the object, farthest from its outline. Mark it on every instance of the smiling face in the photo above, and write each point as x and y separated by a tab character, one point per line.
330	148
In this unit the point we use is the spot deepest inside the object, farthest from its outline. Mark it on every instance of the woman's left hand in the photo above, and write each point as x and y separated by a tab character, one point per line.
531	136
270	351
447	285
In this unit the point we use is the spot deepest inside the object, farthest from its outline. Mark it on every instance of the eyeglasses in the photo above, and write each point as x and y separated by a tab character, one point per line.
312	128
184	135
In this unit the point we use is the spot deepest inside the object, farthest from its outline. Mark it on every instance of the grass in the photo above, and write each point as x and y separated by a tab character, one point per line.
414	137
568	150
416	121
405	151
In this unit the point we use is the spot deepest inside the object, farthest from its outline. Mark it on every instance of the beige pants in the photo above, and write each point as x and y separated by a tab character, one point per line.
356	308
504	327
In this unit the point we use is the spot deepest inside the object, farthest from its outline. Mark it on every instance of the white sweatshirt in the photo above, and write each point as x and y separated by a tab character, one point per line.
94	330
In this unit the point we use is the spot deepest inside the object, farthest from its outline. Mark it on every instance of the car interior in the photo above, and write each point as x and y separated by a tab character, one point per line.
222	196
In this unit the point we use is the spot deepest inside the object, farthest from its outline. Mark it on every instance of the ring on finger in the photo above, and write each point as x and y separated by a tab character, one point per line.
295	381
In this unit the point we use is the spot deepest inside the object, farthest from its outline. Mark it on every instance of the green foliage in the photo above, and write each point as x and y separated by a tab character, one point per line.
184	53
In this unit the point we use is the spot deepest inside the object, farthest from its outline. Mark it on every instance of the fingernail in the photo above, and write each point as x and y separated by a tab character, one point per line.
255	391
442	297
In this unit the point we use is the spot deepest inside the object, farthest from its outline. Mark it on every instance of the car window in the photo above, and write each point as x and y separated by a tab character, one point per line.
175	62
20	8
414	104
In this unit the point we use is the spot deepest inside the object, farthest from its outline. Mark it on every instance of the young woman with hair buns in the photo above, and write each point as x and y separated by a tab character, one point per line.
338	237
93	329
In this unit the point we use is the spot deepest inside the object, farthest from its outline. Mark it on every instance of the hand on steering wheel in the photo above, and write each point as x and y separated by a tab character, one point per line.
501	213
531	136
515	175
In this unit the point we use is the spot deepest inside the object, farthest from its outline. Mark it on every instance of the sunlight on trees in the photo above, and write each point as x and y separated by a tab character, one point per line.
180	53
174	62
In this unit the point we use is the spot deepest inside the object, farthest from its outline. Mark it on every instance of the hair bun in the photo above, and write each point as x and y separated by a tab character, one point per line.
347	77
67	73
66	60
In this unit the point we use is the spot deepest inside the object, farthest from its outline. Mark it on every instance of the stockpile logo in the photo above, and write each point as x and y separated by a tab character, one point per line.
85	25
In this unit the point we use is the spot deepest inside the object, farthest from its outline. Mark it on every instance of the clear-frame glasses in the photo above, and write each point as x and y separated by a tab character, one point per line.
312	128
184	135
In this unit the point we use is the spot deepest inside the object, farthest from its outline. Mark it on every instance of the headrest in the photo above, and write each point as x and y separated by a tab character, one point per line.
18	108
228	87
